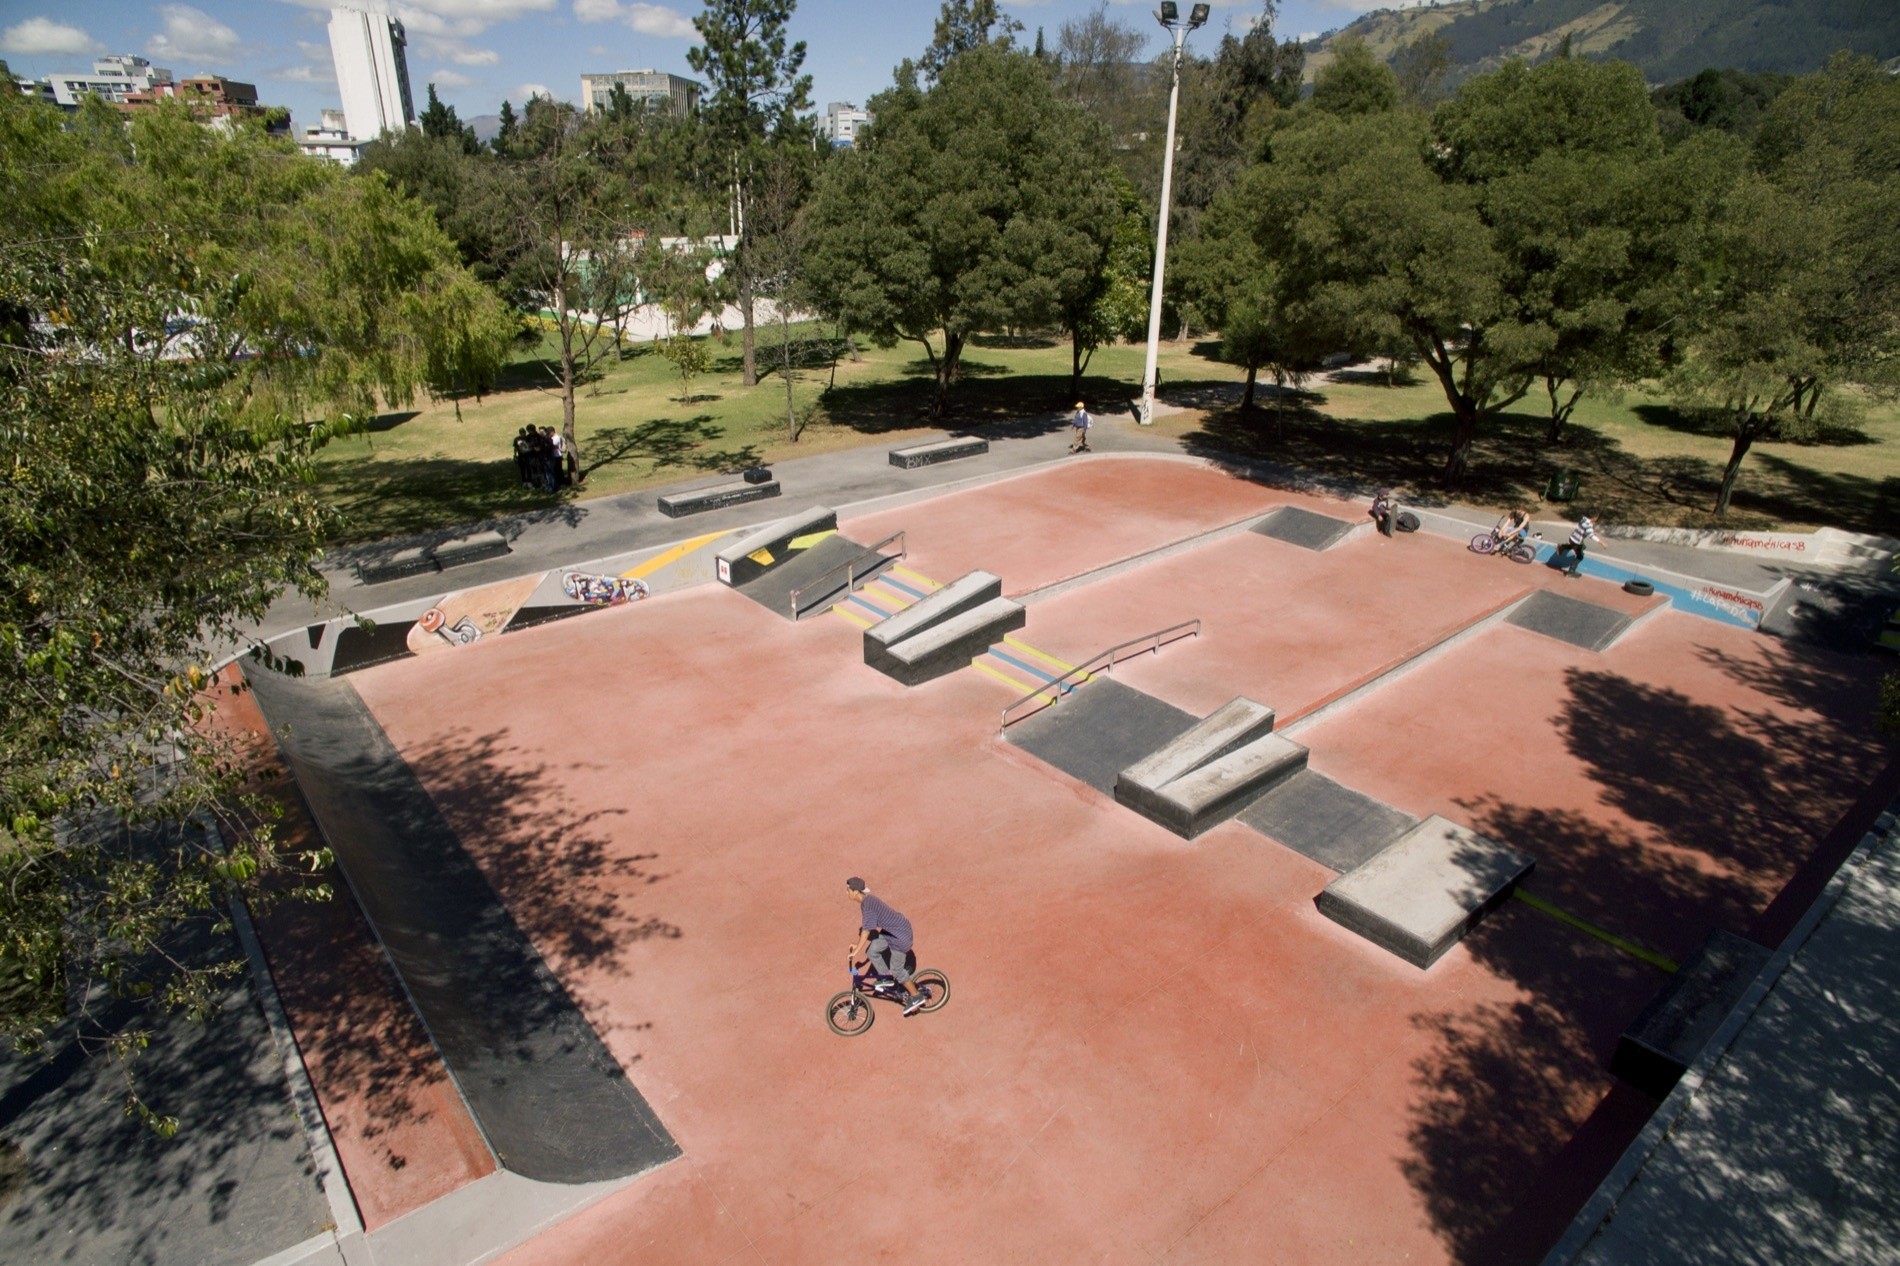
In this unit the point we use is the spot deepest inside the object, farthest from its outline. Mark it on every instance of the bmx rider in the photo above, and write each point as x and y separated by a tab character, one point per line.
884	939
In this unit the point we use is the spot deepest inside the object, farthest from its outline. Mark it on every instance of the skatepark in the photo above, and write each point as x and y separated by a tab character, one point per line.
569	1004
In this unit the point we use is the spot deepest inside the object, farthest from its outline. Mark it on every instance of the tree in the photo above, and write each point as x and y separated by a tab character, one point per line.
973	206
575	242
779	249
1421	65
757	95
1527	232
505	131
1355	82
174	302
1095	66
961	26
1110	300
1803	278
439	123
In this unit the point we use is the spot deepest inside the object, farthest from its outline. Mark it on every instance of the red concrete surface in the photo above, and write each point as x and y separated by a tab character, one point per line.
1155	1049
401	1131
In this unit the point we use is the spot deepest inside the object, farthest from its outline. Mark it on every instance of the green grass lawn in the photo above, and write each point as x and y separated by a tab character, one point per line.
1640	461
452	462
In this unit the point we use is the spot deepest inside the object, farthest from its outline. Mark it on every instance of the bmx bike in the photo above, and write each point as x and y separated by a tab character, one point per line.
1521	550
850	1013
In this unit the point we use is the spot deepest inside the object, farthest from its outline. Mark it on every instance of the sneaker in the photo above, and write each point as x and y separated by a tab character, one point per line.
918	1003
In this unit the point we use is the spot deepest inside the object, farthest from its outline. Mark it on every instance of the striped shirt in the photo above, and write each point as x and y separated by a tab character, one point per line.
1584	530
878	917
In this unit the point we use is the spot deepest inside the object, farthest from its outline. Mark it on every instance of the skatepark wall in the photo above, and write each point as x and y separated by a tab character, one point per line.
463	617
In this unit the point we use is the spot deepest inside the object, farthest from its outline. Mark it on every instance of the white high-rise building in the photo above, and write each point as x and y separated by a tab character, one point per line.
842	122
371	72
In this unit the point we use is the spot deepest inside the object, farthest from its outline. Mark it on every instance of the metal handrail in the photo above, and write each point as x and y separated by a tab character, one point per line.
848	567
1107	660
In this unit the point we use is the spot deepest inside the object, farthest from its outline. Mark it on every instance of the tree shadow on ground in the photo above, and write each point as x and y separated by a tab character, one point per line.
1016	342
400	497
994	405
668	444
1516	1118
102	1186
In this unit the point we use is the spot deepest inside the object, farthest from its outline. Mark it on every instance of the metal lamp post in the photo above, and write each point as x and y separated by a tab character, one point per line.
1169	15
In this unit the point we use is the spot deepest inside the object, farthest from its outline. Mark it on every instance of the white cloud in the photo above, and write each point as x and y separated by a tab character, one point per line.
648	19
192	35
446	78
599	50
458	52
524	91
45	37
305	74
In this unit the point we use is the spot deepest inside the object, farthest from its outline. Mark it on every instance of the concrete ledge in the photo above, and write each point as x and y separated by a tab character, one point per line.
404	562
950	644
1418	897
953	599
470	549
679	504
1668	1034
1237	722
755	553
938	451
1216	791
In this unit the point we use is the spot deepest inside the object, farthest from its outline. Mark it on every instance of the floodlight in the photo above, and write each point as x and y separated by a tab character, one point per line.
1197	16
1170	12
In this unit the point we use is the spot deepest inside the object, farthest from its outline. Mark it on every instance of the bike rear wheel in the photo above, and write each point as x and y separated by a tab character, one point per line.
1523	552
1483	543
850	1013
938	984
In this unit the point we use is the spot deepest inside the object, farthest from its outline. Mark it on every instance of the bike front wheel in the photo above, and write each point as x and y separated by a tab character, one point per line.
850	1013
937	983
1483	543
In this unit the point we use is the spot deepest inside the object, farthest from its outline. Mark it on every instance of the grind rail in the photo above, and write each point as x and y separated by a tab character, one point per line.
872	560
1104	661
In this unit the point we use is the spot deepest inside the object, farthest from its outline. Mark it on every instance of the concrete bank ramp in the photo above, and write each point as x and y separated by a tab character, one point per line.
944	630
1206	775
1305	528
1571	620
549	1097
1420	895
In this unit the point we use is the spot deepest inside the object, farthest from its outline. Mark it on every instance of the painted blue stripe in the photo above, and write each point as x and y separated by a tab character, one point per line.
872	607
1029	668
1690	602
898	584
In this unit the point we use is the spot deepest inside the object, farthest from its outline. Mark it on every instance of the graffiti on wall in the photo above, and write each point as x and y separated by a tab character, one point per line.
602	591
468	615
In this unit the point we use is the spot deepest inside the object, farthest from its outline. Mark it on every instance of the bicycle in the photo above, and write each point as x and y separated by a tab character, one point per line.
1521	550
850	1013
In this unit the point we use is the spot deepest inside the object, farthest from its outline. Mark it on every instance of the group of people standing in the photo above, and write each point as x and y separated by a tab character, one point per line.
543	459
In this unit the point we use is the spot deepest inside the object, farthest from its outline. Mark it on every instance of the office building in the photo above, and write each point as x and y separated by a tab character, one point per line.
372	72
843	122
115	78
331	140
651	89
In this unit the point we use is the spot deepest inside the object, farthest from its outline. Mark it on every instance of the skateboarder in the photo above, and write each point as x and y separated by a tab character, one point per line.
1080	424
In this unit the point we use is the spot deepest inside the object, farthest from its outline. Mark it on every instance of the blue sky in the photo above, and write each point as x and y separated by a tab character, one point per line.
478	52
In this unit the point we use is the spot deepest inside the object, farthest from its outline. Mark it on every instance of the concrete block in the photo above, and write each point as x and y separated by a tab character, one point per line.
1235	723
717	497
756	553
1671	1031
953	599
1418	897
1207	796
470	549
937	451
950	644
404	562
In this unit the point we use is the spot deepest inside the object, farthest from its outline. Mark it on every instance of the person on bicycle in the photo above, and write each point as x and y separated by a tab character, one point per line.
1385	511
1512	528
884	940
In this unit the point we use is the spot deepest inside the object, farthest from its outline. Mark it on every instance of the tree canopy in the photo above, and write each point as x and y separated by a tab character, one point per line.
978	204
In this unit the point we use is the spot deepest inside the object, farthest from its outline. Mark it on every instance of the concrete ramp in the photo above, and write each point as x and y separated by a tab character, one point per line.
1334	825
800	567
1100	730
1420	895
768	547
1304	528
943	630
1571	620
1212	771
550	1098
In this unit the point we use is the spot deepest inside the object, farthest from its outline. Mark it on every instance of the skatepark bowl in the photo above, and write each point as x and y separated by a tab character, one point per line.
605	859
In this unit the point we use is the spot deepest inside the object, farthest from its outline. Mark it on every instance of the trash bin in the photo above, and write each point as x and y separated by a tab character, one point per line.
1563	486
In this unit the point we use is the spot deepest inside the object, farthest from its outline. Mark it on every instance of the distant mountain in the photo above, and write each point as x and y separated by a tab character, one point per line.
486	126
1667	39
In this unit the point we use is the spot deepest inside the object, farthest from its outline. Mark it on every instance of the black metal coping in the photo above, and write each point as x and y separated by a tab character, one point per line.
679	504
550	1098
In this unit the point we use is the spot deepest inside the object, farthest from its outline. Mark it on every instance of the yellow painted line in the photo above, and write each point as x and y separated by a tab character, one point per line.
811	539
1607	937
852	616
1051	660
1005	678
908	574
672	556
890	601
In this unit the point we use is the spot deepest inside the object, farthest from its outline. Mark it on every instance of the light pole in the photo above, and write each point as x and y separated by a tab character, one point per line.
1169	15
